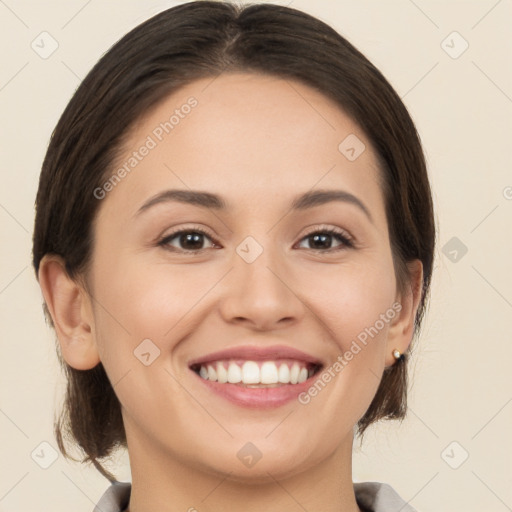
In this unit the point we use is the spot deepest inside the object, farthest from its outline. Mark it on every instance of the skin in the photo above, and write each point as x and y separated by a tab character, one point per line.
257	141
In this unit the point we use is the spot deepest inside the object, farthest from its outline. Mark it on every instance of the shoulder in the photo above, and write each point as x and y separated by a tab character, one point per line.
379	497
115	498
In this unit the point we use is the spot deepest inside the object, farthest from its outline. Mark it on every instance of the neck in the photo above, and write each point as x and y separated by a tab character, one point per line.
160	482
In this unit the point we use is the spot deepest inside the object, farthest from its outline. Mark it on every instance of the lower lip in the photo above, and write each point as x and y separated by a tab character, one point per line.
258	398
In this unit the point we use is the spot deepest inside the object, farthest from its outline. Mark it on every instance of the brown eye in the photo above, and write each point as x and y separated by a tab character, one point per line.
322	239
188	240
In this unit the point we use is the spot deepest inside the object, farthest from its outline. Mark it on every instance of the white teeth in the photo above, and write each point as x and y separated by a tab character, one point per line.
234	373
294	373
212	374
268	372
250	373
303	375
284	374
222	374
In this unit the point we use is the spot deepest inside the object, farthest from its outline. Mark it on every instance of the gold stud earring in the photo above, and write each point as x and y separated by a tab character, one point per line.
396	354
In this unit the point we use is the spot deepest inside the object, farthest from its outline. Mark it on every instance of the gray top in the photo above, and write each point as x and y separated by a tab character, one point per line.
370	496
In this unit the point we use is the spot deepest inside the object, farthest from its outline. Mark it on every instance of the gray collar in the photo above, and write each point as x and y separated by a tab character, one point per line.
371	496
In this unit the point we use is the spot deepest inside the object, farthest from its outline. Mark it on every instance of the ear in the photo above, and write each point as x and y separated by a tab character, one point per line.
71	312
401	328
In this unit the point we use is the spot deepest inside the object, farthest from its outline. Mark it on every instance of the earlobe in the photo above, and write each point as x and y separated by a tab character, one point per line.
68	304
401	330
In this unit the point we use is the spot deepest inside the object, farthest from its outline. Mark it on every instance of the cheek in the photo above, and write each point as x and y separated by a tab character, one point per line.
137	300
140	315
352	298
356	307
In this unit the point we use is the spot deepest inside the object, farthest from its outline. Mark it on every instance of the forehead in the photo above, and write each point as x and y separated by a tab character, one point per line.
246	136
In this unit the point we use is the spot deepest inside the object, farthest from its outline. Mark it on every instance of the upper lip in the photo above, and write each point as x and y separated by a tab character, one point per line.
257	353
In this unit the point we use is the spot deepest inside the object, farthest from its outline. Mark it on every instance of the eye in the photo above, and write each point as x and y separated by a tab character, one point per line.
322	239
189	240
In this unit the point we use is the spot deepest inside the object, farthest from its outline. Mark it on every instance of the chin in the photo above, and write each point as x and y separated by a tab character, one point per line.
261	462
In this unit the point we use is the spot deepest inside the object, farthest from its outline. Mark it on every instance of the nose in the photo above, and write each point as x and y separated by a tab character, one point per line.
261	294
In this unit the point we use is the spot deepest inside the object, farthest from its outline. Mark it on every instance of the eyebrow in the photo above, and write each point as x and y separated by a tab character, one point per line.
215	202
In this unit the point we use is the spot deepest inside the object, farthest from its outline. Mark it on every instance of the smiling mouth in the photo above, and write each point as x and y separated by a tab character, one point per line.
257	374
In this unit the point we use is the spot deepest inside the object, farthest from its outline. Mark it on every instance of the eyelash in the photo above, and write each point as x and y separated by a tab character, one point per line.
342	236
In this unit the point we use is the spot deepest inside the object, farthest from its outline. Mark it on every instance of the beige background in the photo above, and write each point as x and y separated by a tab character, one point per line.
461	387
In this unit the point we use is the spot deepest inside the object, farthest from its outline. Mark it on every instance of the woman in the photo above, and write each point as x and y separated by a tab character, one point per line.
234	238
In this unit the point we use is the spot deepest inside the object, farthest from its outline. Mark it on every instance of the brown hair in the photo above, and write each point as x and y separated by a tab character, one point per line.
179	45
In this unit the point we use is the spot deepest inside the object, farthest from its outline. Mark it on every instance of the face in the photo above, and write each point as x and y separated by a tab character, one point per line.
252	281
